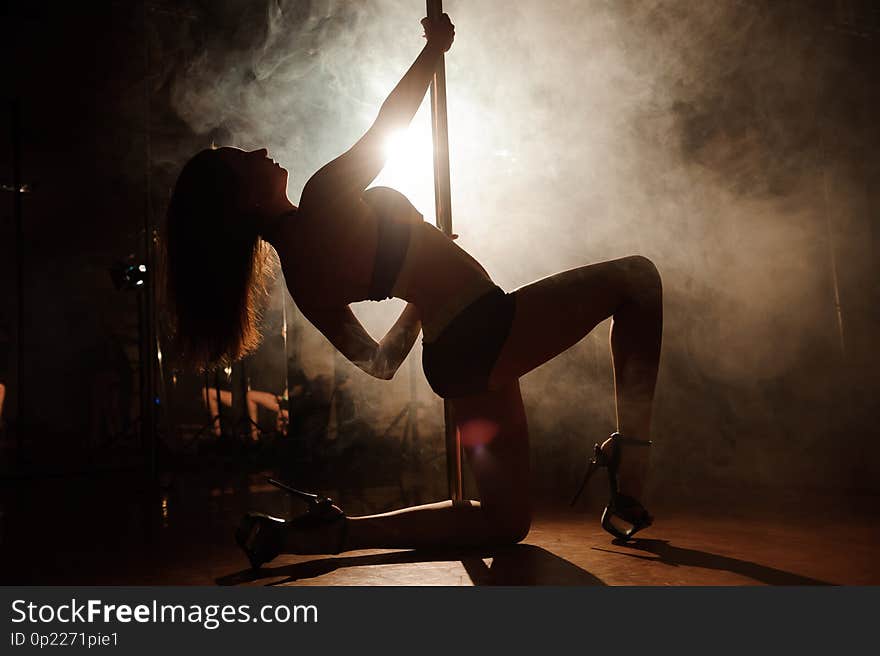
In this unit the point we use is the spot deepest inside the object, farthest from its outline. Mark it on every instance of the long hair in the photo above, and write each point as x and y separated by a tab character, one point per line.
215	266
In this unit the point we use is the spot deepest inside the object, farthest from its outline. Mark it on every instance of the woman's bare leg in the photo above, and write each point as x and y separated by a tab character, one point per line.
495	438
209	396
552	315
265	399
556	312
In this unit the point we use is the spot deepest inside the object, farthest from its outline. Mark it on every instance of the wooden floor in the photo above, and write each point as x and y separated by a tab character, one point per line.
112	540
573	550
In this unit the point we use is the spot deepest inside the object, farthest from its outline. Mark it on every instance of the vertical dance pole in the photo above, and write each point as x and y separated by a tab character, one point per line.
17	190
443	206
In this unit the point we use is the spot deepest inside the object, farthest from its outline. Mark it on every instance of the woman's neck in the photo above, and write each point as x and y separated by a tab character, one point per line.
273	228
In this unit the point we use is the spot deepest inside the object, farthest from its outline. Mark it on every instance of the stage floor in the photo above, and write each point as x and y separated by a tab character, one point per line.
573	550
109	540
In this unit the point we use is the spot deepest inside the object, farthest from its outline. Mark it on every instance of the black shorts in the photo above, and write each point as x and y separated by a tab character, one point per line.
459	362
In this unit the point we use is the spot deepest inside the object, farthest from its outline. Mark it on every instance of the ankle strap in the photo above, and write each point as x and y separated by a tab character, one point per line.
632	441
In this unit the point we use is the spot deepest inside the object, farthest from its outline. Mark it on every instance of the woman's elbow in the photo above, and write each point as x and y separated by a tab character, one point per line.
380	367
369	368
384	373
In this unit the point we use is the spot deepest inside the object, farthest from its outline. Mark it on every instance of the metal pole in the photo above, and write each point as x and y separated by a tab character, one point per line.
443	206
832	256
285	375
19	279
150	336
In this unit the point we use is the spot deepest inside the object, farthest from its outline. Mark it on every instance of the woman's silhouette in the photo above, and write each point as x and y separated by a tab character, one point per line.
343	245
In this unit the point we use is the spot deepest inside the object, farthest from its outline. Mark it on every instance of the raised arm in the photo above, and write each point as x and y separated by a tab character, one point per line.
379	359
351	172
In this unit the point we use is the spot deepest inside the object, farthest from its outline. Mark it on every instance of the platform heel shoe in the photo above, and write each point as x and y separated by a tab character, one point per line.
261	536
620	506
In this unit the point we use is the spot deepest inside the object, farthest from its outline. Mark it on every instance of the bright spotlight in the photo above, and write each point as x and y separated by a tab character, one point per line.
398	146
410	163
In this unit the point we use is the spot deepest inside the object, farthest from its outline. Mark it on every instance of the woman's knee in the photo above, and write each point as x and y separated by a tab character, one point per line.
509	527
643	270
517	530
642	278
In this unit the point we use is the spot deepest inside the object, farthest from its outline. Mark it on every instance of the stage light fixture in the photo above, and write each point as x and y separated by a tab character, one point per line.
129	275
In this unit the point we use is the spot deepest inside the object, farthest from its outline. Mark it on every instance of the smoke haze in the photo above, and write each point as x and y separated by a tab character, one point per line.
709	137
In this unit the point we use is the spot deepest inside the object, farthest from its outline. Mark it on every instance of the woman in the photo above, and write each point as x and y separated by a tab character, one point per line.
344	244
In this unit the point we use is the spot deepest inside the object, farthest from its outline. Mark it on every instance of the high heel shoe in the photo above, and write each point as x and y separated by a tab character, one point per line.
261	536
619	505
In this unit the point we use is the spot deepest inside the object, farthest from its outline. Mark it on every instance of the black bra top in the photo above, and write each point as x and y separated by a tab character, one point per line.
393	211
